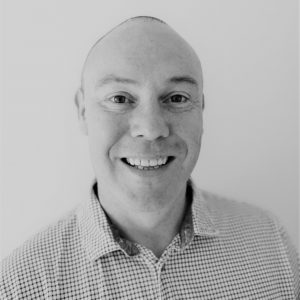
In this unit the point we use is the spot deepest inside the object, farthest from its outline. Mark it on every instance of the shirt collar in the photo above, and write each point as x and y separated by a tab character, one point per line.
197	220
99	236
202	218
95	232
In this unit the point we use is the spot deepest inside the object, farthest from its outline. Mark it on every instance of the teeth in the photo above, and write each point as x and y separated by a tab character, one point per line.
141	163
144	162
131	161
137	162
153	162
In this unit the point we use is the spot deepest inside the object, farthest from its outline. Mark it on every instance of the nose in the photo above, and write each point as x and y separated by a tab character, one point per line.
149	122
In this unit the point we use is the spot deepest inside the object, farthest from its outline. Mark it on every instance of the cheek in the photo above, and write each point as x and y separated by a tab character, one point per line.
196	135
190	128
191	133
104	131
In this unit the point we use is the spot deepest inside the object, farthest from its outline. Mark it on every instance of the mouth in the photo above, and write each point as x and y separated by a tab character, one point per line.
148	164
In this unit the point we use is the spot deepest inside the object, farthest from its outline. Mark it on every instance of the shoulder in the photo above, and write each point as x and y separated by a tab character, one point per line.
254	234
48	241
227	213
244	223
38	257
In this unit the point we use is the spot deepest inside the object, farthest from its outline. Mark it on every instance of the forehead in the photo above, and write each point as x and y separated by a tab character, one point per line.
144	51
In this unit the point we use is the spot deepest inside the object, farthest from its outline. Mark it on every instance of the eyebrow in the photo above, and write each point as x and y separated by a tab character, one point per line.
183	79
113	79
116	79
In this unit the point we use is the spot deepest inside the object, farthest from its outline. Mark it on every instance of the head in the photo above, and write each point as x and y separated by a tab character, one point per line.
140	104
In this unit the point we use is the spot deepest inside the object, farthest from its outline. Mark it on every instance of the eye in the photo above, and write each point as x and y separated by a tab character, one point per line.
120	99
178	98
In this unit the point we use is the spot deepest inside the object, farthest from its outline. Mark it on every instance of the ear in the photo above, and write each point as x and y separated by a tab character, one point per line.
80	104
203	102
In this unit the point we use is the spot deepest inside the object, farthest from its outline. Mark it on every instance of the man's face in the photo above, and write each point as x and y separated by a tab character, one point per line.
142	102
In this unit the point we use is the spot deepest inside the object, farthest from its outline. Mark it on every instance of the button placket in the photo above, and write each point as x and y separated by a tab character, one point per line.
154	266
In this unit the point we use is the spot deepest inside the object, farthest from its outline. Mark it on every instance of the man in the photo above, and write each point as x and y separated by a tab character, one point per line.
146	232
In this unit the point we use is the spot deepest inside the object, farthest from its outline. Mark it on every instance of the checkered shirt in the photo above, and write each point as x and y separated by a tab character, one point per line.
224	250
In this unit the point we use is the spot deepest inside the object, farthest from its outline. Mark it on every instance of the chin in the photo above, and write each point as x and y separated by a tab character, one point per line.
157	194
147	201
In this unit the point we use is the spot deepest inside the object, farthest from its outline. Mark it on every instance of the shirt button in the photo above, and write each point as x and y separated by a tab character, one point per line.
163	268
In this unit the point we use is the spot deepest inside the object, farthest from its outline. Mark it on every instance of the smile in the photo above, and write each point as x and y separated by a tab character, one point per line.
147	164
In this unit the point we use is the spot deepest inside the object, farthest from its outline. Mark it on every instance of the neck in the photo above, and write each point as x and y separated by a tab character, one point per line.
152	229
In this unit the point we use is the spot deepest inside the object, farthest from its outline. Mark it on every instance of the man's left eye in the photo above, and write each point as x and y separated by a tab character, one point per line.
178	101
178	98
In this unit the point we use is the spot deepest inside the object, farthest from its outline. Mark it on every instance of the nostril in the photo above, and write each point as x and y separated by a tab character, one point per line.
149	122
150	131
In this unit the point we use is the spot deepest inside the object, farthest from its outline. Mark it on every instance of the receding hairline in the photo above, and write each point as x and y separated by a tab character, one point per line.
133	19
143	19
